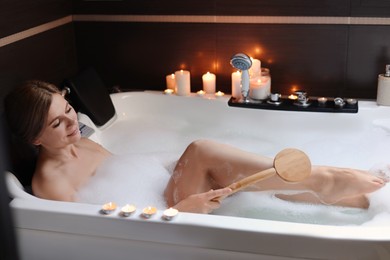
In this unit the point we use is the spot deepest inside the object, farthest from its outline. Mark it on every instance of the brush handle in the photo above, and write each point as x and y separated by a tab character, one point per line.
252	179
247	181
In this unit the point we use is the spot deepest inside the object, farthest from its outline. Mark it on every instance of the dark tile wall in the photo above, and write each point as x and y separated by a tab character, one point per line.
142	57
370	8
172	7
19	15
216	7
309	57
49	56
328	60
368	52
283	7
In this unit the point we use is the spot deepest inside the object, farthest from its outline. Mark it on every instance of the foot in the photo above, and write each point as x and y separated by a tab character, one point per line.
335	185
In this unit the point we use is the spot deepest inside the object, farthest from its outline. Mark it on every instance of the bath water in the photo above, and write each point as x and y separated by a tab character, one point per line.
144	161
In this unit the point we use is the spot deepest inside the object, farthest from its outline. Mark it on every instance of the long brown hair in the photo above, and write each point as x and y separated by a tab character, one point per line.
27	107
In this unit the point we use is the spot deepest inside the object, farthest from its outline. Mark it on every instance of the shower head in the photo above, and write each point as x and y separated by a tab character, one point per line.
241	61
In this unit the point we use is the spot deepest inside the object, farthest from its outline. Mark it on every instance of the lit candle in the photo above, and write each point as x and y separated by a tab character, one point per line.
127	210
170	213
200	93
149	212
183	82
108	208
351	101
236	84
260	88
322	100
209	83
171	82
293	97
255	69
219	94
168	91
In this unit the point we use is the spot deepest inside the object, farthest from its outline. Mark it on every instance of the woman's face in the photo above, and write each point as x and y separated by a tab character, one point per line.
61	127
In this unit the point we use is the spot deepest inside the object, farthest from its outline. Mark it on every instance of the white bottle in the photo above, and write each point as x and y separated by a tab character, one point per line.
383	93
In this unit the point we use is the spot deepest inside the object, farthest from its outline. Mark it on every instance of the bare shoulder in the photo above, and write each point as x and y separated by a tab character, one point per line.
60	178
52	185
89	144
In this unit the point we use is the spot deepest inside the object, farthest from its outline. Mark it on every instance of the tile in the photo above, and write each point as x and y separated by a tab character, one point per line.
177	7
369	52
142	57
18	15
370	8
283	7
299	56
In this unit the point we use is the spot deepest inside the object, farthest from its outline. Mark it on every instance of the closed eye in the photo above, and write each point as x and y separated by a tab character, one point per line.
56	123
68	108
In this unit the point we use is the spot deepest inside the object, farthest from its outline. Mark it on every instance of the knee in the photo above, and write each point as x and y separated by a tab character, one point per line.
199	146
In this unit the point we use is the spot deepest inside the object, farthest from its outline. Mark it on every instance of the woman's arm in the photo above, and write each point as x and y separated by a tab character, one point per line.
202	202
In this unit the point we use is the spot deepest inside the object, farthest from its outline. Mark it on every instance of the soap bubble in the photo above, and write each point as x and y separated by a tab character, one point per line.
147	151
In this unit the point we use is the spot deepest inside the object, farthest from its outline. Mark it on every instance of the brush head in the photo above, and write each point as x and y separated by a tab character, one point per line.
241	61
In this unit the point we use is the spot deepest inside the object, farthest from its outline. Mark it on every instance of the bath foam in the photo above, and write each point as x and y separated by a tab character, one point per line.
265	205
140	179
128	179
152	154
379	200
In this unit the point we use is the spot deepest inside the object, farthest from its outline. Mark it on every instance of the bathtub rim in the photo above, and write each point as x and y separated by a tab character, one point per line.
22	201
354	233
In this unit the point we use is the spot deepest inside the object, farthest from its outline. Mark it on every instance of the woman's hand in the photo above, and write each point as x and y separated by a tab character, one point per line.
202	202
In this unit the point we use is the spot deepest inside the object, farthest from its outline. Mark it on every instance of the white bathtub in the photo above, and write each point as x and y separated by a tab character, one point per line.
61	230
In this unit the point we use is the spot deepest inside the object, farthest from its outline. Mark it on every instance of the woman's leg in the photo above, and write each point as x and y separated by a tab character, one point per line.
209	165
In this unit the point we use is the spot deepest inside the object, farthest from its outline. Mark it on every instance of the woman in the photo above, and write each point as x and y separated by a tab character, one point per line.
40	115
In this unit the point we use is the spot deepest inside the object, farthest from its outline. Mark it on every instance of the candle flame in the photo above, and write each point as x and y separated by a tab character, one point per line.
171	212
109	206
149	210
292	97
215	65
128	208
258	50
294	88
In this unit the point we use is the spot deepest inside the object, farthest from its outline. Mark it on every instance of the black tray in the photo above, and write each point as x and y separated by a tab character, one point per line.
288	105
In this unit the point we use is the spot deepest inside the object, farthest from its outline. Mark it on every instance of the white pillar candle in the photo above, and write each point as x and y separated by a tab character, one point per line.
209	83
236	85
171	82
255	70
183	82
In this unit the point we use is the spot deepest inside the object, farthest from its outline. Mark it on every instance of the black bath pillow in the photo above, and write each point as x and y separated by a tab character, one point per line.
19	158
89	95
